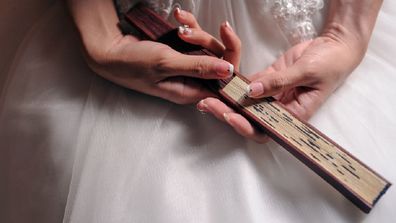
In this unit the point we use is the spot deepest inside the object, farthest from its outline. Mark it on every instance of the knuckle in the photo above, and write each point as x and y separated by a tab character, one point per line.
163	60
278	83
199	67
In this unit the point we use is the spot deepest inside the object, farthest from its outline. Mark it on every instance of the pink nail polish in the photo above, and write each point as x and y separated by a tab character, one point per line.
224	69
227	24
255	89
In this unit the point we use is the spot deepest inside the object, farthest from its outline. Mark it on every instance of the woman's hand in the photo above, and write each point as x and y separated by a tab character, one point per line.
306	75
150	67
301	79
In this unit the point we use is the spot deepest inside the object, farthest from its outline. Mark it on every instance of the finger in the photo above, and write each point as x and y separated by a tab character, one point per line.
215	107
202	38
232	44
242	126
181	90
269	84
224	113
186	18
172	63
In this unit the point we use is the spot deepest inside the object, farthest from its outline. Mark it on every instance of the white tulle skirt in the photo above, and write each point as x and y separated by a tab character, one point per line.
77	148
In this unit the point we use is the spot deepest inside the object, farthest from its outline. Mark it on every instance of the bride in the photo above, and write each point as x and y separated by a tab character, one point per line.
135	154
302	78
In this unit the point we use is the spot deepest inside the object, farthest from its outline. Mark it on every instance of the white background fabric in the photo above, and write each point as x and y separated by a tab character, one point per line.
76	148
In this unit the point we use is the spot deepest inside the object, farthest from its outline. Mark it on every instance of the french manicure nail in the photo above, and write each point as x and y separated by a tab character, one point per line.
180	11
226	117
227	24
224	69
230	70
255	89
202	106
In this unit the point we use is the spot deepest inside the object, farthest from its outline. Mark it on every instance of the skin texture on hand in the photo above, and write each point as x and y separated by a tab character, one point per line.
302	78
308	73
150	67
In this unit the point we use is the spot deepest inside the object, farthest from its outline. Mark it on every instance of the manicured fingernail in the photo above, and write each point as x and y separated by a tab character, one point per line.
202	106
180	11
255	89
230	69
225	69
227	24
226	117
185	30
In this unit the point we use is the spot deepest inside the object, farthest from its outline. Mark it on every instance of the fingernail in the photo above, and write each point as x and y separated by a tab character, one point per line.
255	89
227	24
185	30
225	69
226	117
230	69
179	11
202	106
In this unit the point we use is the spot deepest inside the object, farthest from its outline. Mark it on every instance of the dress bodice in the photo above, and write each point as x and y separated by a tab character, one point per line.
294	18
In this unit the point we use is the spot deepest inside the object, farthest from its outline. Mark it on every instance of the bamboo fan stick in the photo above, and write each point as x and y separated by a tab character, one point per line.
342	170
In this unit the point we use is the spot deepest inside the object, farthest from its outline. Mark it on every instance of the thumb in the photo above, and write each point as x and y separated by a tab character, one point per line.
270	84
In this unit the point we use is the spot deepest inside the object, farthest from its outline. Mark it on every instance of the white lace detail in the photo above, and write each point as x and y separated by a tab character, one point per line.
294	18
165	7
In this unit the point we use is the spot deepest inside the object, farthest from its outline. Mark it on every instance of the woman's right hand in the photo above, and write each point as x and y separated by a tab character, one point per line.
154	68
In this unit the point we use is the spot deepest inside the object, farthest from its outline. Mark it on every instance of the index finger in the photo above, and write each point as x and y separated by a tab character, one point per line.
203	67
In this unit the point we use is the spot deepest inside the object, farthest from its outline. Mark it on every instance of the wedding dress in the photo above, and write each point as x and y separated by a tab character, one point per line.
77	148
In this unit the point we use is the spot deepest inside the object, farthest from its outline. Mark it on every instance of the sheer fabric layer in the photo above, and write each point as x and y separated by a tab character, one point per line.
76	148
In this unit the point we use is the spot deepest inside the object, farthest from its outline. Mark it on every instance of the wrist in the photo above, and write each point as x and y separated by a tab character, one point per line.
96	22
352	20
343	35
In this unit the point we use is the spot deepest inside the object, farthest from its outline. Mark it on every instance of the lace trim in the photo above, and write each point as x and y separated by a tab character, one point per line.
294	18
163	7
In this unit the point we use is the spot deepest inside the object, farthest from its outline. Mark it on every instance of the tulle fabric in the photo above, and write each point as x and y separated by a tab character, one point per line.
76	148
